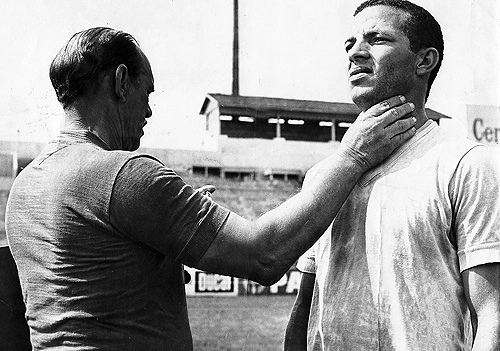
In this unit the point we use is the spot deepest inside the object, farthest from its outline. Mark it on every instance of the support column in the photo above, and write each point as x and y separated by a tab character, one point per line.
278	127
333	129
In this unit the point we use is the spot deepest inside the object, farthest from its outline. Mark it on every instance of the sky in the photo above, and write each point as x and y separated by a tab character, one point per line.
288	48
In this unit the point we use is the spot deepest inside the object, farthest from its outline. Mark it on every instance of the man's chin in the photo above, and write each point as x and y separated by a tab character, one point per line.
366	97
363	97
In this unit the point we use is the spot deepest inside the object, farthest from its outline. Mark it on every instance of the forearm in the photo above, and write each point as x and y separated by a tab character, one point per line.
264	249
307	215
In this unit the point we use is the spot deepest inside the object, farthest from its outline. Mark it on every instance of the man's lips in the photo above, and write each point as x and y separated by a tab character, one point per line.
359	70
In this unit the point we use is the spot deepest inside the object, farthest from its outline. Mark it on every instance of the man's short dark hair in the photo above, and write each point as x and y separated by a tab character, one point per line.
420	27
79	66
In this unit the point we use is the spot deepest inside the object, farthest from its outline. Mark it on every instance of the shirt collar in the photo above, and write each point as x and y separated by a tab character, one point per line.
374	173
68	137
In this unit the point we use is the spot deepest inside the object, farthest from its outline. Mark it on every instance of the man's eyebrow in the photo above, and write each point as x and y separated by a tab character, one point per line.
372	33
349	40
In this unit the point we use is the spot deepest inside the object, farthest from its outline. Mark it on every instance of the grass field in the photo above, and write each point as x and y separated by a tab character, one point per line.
239	323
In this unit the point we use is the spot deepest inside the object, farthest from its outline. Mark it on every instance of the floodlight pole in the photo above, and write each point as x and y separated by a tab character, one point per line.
236	47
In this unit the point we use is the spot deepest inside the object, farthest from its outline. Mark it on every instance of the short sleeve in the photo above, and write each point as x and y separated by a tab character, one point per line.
475	194
152	205
307	262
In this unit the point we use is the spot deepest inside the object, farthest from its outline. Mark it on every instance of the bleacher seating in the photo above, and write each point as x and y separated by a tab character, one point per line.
248	198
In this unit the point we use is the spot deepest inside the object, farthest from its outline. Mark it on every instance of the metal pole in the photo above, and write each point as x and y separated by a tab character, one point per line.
236	48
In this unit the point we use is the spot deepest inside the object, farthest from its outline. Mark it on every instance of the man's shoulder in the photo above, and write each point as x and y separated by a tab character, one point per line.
467	156
84	159
96	157
449	137
84	147
126	156
453	146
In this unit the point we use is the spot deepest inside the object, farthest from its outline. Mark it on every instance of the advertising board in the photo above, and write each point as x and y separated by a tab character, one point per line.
209	284
484	124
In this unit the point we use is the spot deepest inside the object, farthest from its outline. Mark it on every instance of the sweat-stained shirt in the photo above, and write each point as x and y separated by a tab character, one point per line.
388	270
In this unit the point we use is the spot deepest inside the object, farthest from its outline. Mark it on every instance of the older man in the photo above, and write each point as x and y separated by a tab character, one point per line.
100	233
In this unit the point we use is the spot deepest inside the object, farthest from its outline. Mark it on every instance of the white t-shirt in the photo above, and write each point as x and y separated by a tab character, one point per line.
388	269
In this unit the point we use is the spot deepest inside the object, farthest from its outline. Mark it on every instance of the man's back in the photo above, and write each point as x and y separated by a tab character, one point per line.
86	285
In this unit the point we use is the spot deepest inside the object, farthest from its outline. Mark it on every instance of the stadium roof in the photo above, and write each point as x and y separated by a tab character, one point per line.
266	107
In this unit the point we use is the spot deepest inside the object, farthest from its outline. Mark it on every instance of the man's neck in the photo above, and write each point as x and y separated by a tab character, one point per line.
415	98
88	117
75	119
420	114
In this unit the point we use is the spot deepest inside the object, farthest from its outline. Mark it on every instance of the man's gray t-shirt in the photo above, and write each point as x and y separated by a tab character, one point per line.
99	237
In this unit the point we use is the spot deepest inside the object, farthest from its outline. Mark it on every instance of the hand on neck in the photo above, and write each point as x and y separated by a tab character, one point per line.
365	102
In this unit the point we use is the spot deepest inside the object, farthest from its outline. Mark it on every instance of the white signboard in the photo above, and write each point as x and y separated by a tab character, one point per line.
209	284
484	124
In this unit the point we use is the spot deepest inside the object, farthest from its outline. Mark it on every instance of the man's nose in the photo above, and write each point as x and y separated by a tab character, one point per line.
358	51
149	112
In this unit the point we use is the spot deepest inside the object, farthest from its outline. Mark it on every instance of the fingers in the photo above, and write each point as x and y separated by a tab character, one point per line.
400	138
395	113
400	127
390	110
384	106
206	190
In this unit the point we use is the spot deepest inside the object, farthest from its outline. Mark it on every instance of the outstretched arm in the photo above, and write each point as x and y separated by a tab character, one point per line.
482	291
264	249
296	330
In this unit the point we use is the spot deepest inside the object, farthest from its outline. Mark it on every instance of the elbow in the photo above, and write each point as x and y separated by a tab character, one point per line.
268	270
269	257
266	278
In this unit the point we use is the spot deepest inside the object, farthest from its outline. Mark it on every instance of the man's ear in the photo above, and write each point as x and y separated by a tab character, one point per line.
122	82
427	60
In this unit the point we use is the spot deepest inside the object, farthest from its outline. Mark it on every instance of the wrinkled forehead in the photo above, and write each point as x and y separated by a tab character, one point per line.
379	19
